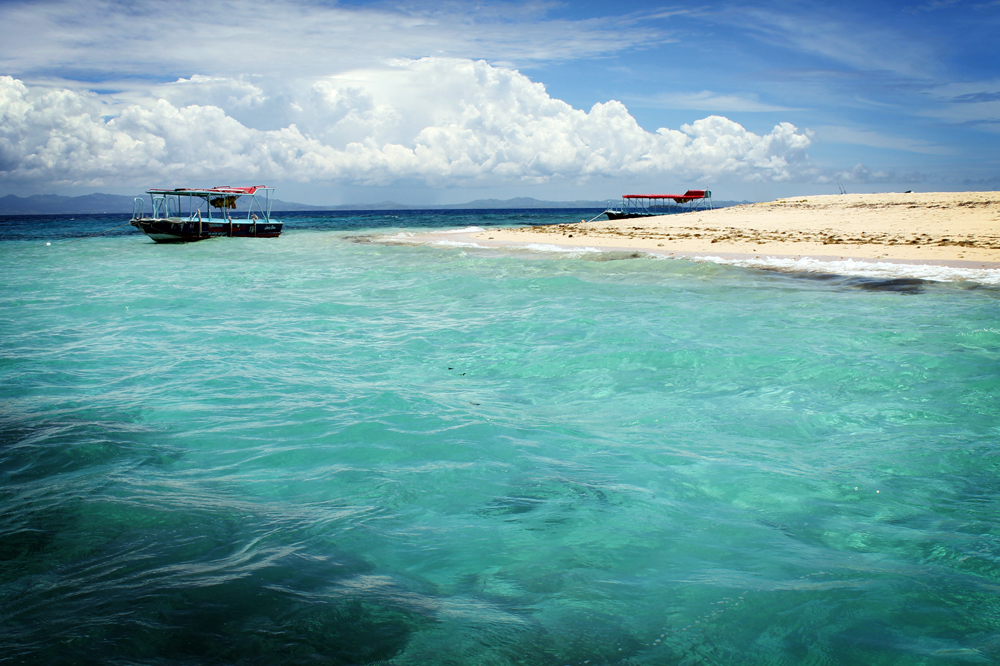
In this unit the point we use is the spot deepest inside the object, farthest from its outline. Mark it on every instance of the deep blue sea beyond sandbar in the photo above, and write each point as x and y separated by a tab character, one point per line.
326	449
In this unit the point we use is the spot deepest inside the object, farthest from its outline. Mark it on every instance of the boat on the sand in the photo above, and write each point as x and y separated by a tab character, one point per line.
648	205
186	214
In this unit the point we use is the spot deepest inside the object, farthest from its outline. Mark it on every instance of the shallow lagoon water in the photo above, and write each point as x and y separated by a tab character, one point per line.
321	449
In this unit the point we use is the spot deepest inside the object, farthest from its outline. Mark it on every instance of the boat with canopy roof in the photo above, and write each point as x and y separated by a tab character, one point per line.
186	214
648	205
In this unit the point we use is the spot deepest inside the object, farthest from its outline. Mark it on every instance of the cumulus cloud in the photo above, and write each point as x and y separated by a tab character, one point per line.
434	120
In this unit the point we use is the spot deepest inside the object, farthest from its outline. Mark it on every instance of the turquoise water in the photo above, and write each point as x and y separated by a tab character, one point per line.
323	449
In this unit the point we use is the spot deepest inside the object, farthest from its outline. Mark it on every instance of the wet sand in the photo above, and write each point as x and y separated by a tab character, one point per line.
959	229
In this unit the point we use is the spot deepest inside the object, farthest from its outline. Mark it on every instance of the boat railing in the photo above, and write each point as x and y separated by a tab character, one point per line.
627	207
159	207
168	205
706	201
264	208
641	205
138	207
618	207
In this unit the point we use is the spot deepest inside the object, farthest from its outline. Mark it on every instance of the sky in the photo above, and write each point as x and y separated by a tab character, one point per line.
434	103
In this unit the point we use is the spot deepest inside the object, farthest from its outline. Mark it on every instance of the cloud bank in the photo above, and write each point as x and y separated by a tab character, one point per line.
439	121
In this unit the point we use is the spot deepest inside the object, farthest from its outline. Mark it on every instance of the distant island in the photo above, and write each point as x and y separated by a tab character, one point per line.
54	204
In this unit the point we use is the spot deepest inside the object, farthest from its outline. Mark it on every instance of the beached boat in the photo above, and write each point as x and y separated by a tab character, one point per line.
647	205
186	214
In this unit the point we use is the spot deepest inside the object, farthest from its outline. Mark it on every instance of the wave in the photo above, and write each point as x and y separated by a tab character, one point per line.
873	270
880	270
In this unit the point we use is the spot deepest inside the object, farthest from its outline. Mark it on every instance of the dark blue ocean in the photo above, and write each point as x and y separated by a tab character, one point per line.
334	448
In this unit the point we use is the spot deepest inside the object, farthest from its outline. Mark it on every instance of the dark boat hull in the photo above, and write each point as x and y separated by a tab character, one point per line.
627	216
170	231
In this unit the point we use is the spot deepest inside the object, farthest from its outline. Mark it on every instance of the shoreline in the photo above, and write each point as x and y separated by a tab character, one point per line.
959	229
495	239
938	237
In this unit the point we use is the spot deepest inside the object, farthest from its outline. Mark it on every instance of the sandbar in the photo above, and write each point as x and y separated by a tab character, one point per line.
960	229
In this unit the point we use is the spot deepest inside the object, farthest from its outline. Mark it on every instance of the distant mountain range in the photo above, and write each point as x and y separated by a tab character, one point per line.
54	204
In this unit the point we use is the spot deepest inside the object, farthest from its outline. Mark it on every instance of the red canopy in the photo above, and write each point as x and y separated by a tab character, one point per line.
690	195
239	191
687	196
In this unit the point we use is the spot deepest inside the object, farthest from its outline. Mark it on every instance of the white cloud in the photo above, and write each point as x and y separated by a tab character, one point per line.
974	103
862	174
232	94
707	100
124	43
438	121
836	134
863	45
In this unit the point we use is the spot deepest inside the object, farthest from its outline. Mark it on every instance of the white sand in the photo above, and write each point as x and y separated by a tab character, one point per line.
949	228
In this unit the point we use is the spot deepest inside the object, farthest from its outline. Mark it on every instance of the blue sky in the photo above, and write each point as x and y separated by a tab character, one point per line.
356	102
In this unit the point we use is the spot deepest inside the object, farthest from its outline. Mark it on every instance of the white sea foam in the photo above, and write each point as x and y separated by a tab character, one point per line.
560	249
845	267
868	269
455	243
544	248
423	238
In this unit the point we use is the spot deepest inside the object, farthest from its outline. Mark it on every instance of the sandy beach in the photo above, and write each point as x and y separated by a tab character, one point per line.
946	228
